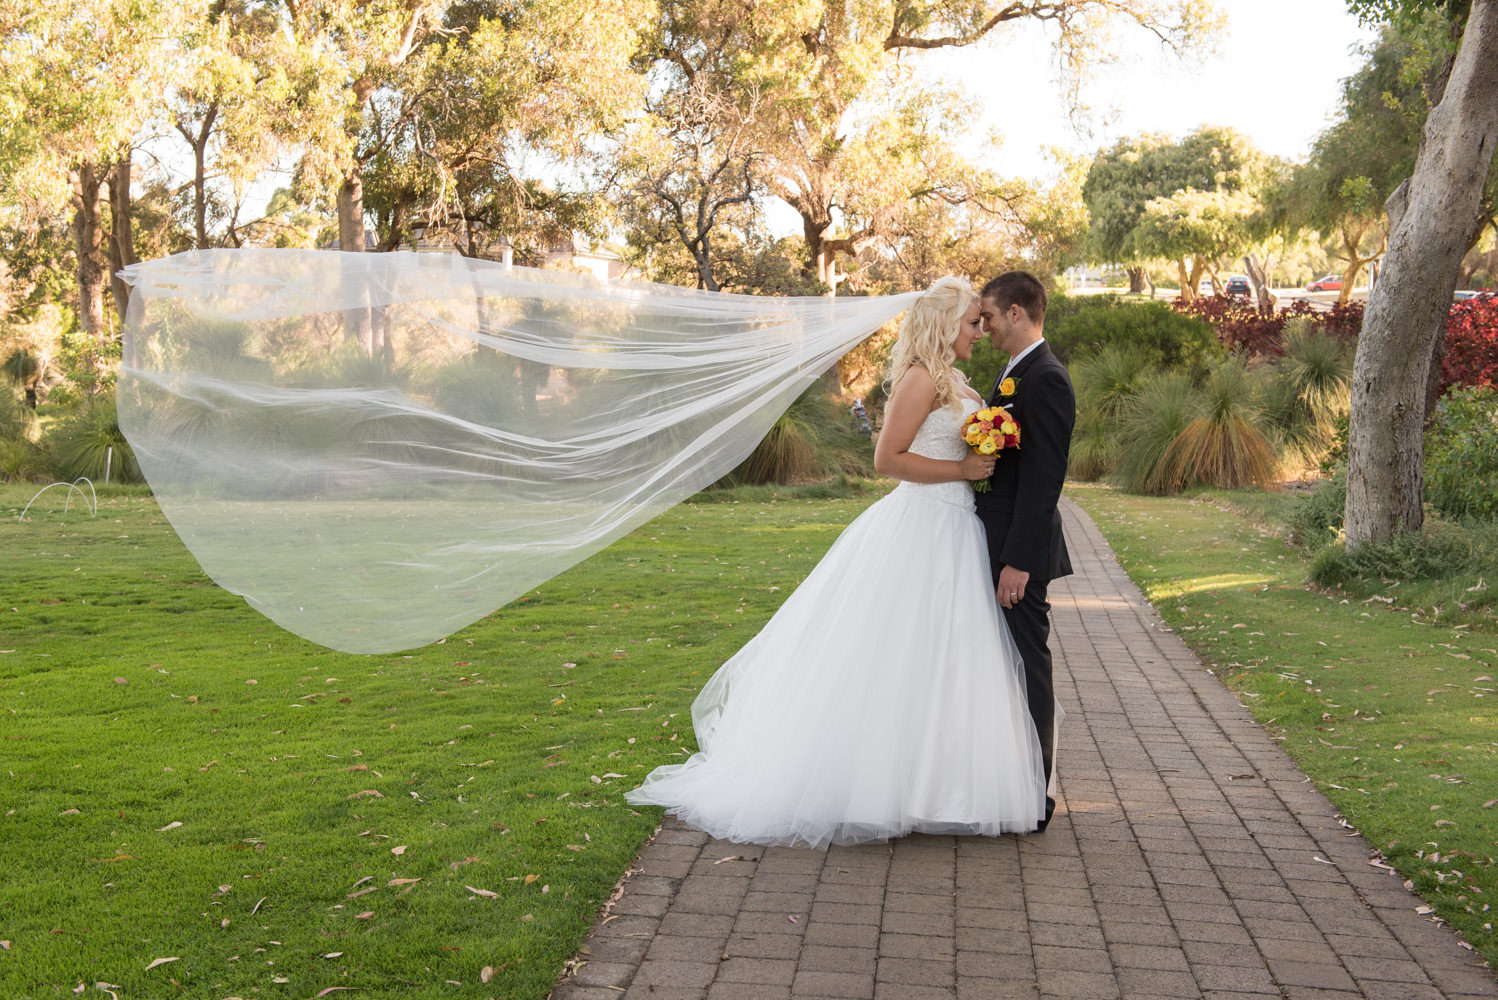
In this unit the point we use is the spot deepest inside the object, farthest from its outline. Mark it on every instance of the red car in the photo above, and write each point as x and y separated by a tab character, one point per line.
1330	283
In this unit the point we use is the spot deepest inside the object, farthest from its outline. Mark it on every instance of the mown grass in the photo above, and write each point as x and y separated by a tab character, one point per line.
1392	713
183	780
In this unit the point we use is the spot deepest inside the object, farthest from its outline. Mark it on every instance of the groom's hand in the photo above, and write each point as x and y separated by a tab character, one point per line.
1011	589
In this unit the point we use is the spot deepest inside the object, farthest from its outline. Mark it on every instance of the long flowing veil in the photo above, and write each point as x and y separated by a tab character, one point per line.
378	449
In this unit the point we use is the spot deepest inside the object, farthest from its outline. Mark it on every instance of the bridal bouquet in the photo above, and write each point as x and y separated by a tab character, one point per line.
986	431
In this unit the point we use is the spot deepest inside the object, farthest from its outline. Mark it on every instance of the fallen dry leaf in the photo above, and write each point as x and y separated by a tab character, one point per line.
531	878
121	680
486	973
170	826
1490	803
4	946
160	961
482	892
70	812
362	892
366	915
402	881
334	954
731	857
398	851
334	989
368	793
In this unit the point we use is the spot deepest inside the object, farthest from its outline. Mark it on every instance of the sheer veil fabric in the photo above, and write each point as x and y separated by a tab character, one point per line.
376	450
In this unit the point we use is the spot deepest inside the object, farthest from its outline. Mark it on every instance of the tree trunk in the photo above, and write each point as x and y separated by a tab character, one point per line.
1408	307
1188	283
121	232
1258	274
88	232
351	212
1137	278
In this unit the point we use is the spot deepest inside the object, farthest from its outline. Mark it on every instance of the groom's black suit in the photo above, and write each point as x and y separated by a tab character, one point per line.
1023	524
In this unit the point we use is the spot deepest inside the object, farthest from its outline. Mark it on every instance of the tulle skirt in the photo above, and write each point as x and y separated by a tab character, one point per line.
885	697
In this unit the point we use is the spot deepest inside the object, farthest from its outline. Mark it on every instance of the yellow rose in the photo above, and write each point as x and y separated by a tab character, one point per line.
1009	427
987	447
1007	387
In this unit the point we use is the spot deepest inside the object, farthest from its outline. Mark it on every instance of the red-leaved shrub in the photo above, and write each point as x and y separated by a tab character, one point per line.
1471	344
1242	327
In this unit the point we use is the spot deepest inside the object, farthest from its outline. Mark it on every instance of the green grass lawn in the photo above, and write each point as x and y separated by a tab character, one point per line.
183	780
1394	718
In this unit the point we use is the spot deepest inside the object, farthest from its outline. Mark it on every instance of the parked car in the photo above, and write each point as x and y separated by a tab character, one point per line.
1330	283
1237	284
1465	294
1204	287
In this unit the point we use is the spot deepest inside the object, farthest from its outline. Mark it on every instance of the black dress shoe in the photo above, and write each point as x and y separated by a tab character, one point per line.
1050	810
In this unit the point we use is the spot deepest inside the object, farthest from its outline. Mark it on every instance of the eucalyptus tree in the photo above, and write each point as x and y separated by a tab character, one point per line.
1434	219
459	144
81	79
1192	202
846	137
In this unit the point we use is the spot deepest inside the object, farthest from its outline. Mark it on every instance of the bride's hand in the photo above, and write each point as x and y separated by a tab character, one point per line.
975	466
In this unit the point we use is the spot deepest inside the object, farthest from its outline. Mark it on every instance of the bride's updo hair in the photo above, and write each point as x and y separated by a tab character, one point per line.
927	333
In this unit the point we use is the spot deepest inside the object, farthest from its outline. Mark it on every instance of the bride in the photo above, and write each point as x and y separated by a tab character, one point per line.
885	697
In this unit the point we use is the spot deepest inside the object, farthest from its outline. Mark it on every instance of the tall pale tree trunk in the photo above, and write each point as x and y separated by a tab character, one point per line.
121	232
88	231
358	322
351	212
1431	228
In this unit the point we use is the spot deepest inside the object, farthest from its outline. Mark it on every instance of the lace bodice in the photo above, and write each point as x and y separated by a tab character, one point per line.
938	438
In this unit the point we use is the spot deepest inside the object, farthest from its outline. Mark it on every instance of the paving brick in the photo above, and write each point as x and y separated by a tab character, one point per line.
763	945
829	958
706	950
906	991
674	974
1156	983
764	971
745	991
914	971
975	988
916	946
843	935
832	984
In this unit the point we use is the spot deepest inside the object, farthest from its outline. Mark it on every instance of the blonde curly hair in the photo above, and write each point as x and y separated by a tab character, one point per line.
927	333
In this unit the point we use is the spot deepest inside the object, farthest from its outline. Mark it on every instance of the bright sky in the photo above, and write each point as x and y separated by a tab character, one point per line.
1276	78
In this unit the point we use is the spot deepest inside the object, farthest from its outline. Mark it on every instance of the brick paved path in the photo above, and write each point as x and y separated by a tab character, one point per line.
1188	858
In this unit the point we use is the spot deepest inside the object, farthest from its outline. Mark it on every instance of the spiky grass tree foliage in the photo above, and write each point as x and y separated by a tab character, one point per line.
1224	444
20	458
24	368
88	441
813	440
1309	396
17	419
1104	383
1147	427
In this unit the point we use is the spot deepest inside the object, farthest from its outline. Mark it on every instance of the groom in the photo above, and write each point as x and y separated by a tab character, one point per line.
1025	546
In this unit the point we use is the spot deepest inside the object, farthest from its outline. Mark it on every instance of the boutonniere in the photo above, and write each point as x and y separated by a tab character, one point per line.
1008	387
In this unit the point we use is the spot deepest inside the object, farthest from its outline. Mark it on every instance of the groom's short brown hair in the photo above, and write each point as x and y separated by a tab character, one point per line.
1018	288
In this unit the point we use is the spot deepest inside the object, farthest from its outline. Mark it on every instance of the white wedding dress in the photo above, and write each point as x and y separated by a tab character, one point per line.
885	697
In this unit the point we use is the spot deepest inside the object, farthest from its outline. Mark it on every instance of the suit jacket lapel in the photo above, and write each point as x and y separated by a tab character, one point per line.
1018	370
